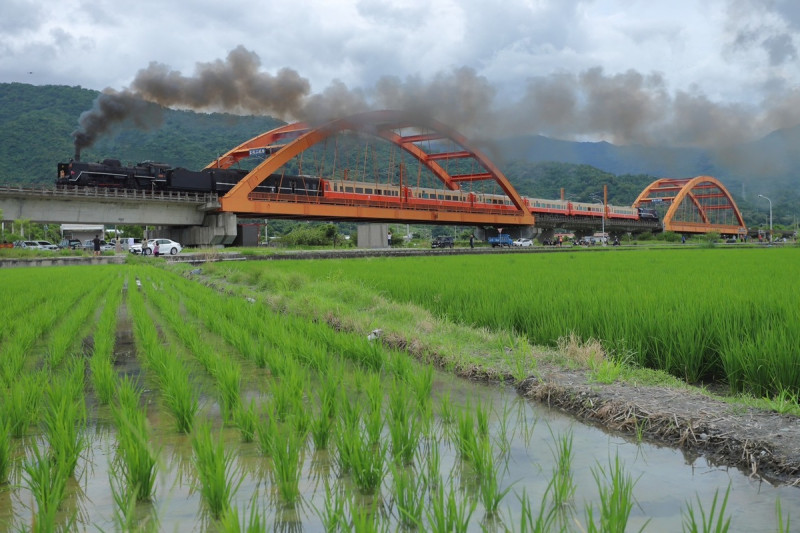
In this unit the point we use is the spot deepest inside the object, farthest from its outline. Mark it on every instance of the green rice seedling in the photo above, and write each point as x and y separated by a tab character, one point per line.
526	428
373	425
616	499
21	405
366	518
5	451
254	522
482	419
301	418
104	378
287	460
484	465
374	391
409	496
322	427
422	386
47	481
404	433
332	515
715	522
246	420
125	499
346	440
128	394
563	484
782	528
464	433
431	458
447	512
446	411
65	426
266	432
501	438
135	462
368	464
229	382
542	522
179	395
66	335
218	477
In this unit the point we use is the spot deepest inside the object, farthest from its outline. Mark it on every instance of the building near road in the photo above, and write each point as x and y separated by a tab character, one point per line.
82	232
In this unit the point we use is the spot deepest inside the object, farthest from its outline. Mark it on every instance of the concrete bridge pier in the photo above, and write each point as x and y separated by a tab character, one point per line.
217	229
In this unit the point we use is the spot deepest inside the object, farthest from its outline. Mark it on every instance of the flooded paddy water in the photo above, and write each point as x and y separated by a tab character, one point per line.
666	481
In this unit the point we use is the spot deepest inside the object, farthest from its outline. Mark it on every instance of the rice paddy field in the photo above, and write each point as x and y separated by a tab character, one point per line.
730	315
144	398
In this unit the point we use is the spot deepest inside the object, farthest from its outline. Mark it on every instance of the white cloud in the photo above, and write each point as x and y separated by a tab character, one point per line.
731	53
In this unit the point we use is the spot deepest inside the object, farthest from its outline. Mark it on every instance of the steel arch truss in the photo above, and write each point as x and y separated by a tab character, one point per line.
697	205
282	144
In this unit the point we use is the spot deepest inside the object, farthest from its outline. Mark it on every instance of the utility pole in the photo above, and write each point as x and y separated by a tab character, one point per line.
770	215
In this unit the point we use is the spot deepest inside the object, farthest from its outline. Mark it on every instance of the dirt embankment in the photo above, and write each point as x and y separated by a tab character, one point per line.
760	443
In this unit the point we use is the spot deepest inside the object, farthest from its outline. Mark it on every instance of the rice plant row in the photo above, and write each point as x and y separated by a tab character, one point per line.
177	391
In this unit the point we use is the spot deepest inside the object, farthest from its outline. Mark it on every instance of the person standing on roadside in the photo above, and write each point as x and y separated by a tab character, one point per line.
155	248
96	245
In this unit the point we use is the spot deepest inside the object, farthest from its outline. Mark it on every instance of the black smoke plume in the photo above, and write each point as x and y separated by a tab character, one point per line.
625	108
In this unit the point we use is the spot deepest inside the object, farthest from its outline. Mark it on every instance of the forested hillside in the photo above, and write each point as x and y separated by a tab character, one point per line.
38	122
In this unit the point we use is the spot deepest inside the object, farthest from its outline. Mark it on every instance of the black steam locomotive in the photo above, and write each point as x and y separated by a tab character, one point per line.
152	176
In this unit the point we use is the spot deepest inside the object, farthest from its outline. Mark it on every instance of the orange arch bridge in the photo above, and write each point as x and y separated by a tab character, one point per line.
697	205
282	144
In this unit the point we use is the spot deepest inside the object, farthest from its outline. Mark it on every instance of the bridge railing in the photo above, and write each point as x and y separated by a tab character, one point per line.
109	192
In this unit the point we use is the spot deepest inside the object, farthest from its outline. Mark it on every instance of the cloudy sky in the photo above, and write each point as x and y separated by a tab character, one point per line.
680	72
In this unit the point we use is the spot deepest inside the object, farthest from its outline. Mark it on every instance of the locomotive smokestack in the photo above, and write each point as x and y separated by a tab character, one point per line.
77	154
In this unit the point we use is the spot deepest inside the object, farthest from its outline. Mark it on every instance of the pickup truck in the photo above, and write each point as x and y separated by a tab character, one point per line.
502	240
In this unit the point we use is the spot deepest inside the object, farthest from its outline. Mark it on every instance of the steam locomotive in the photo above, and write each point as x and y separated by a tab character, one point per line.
152	176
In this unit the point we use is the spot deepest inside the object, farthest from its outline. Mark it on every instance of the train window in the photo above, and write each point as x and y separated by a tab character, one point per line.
367	191
360	190
348	189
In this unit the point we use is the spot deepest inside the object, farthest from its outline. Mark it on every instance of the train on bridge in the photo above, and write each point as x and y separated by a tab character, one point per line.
153	176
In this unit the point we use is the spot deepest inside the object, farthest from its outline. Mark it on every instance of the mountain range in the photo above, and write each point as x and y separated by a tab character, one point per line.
38	122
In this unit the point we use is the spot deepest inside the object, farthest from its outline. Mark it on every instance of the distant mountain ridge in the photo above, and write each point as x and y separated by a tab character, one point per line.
774	158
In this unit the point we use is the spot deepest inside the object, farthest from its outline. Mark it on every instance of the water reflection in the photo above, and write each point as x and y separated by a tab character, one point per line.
527	442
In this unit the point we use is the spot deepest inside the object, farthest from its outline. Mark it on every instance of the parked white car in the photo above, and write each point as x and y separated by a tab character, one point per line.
47	245
523	242
27	244
165	246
